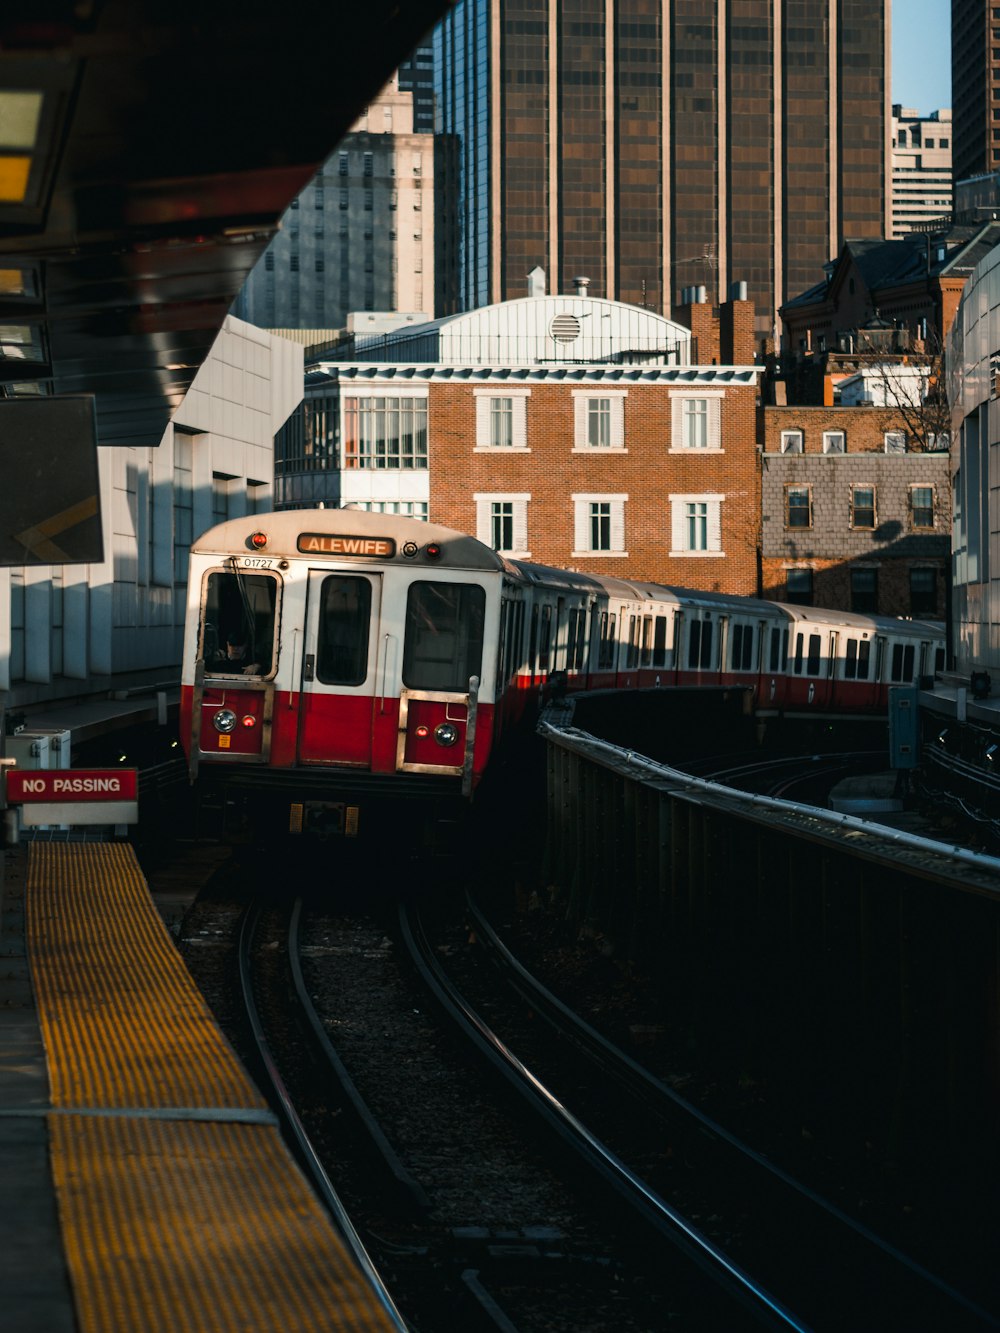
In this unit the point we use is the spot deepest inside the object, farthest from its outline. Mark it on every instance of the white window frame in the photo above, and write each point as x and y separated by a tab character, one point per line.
829	436
923	486
679	517
792	442
679	413
519	419
485	500
581	525
615	398
894	436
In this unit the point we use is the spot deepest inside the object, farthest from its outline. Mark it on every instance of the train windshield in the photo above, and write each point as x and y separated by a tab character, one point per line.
444	635
238	624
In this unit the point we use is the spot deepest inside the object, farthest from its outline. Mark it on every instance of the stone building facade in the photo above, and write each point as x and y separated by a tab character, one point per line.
850	518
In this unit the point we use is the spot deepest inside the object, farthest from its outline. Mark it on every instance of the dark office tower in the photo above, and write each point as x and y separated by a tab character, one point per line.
658	145
416	76
975	88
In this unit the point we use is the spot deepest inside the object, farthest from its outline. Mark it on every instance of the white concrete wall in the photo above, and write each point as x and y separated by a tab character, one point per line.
121	618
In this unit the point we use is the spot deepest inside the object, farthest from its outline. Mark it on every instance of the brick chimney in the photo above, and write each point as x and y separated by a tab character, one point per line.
738	344
702	319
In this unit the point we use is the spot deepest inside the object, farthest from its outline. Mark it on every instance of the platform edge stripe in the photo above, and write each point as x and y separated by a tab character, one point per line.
121	1017
365	1304
107	960
196	1242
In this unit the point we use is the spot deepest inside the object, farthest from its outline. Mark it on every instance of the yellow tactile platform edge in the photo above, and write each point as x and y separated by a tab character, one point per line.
122	1021
171	1226
168	1223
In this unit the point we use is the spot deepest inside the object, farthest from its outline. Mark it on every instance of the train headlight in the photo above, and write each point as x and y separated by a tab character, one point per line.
224	721
248	720
446	733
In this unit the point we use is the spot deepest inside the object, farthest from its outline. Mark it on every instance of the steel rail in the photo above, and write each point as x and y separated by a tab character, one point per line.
410	1189
620	1066
324	1186
721	1270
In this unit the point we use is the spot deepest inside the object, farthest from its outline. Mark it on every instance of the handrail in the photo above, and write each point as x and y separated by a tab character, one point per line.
581	741
470	735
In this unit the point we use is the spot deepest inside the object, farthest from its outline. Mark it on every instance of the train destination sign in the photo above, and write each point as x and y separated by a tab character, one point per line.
365	548
74	795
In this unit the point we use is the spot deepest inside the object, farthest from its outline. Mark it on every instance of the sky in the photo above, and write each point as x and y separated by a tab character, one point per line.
921	54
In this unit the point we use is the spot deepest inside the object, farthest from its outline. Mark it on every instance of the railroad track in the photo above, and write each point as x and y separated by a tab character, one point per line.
832	1271
465	1217
472	1225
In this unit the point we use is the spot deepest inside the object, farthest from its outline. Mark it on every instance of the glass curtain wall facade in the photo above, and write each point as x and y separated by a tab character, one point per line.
652	147
975	87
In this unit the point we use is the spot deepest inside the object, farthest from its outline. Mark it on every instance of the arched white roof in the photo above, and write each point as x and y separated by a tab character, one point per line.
562	328
540	330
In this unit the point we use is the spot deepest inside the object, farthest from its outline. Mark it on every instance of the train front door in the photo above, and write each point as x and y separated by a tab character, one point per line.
339	669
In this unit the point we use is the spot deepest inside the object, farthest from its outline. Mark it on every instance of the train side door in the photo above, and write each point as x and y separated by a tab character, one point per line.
339	668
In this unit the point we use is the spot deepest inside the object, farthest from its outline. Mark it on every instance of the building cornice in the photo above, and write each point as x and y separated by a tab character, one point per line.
367	372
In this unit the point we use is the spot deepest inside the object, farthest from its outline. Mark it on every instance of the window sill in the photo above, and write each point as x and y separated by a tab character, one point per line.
599	555
515	555
598	449
501	449
697	555
695	449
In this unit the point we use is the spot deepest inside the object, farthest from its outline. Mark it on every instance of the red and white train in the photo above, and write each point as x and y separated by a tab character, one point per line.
376	657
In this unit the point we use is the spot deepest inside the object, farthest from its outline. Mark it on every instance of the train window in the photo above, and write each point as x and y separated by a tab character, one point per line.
700	645
813	664
608	645
544	639
632	651
775	660
646	655
239	613
660	641
851	660
444	635
902	661
533	641
580	652
799	642
741	656
344	628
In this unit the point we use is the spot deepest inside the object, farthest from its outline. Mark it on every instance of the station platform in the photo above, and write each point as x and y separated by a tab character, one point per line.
144	1184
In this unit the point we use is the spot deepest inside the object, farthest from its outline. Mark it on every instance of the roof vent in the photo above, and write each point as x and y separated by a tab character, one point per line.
565	328
581	285
536	281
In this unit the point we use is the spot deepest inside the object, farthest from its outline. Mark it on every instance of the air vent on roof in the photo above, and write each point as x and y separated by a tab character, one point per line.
565	328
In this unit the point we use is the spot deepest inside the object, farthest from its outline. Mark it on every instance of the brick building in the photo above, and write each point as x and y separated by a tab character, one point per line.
897	298
568	430
850	518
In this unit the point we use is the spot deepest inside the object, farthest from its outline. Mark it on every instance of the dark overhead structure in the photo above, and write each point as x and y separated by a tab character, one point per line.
146	154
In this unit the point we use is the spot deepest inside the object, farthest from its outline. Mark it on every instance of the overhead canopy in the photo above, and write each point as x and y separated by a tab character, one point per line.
146	154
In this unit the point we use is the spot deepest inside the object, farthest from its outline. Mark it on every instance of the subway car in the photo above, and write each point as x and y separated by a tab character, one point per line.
345	668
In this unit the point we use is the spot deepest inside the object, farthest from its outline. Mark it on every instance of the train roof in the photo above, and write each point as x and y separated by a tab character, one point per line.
286	535
818	615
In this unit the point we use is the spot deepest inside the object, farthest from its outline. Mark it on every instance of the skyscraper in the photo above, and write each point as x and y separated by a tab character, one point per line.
360	236
975	83
921	168
653	147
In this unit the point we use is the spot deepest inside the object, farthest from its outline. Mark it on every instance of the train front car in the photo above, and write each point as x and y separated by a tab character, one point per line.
339	670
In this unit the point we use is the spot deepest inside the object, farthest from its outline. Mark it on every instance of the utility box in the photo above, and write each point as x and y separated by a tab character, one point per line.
30	749
904	733
60	745
43	747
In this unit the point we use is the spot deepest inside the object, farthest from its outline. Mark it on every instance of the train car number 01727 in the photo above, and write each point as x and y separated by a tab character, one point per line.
255	562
